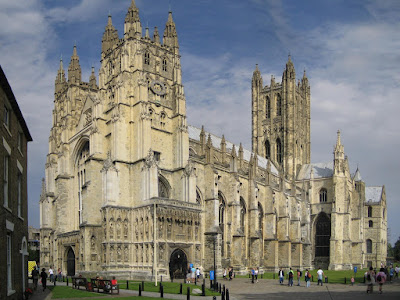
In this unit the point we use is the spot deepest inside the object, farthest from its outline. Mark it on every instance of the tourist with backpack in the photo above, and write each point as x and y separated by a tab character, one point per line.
308	278
381	279
370	280
290	275
299	273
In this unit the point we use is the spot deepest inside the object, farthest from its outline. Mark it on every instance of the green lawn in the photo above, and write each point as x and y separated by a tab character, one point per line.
62	292
333	276
169	287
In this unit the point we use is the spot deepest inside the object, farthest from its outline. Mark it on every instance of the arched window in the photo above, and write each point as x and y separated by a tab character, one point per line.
260	217
242	214
369	246
369	211
163	187
322	235
267	149
278	105
267	108
221	218
147	58
81	175
370	224
279	151
323	195
164	65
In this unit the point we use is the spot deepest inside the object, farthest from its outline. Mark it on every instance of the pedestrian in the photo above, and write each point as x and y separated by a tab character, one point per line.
308	278
320	275
352	280
224	276
252	275
230	273
391	273
256	274
43	275
370	280
281	275
381	279
51	273
396	272
290	275
198	273
299	273
59	274
35	278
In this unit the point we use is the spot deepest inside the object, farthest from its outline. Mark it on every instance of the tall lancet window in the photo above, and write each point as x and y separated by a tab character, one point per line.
267	149
279	151
242	214
278	105
221	218
267	108
81	175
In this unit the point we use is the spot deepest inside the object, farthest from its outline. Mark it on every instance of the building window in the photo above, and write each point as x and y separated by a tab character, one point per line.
9	262
260	217
369	211
370	224
369	246
279	151
147	58
164	65
323	195
221	217
267	149
81	175
163	188
6	117
279	106
6	179
242	214
267	108
322	236
19	194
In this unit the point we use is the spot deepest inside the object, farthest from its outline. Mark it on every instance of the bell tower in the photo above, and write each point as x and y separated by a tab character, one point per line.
281	120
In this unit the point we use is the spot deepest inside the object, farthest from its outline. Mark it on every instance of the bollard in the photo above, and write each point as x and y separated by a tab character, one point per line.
211	284
159	289
162	291
180	289
224	288
273	276
67	280
223	295
140	290
172	278
188	293
227	295
142	285
203	289
127	285
345	280
219	288
55	282
195	280
262	276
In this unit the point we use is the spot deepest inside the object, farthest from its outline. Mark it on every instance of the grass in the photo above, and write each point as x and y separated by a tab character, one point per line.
169	287
63	292
333	276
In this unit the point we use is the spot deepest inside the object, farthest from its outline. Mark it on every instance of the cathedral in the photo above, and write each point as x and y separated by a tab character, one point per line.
132	190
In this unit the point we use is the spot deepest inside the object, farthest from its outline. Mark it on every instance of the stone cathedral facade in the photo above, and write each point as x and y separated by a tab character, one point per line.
132	190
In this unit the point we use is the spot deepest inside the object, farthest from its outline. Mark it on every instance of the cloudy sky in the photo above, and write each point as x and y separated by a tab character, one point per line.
350	50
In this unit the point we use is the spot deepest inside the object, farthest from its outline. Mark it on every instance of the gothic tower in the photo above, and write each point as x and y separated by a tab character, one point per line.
281	120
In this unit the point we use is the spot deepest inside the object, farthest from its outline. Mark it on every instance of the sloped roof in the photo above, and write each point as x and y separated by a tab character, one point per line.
321	170
357	175
373	194
194	134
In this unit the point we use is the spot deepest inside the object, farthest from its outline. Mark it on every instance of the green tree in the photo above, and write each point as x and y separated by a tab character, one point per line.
396	250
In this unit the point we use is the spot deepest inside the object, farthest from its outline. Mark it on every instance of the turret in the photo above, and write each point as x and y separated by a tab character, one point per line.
256	87
170	37
110	36
338	153
60	79
132	26
289	72
156	36
92	80
74	69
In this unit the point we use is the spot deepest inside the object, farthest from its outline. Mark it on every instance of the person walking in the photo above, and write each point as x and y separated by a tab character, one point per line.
291	274
35	278
51	273
308	278
43	275
381	279
299	273
370	280
256	274
252	275
320	276
281	275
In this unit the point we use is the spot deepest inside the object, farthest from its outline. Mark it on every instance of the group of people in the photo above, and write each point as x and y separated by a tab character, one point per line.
254	275
372	277
299	273
35	278
228	274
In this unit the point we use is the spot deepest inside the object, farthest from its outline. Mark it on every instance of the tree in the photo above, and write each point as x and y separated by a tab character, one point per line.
396	250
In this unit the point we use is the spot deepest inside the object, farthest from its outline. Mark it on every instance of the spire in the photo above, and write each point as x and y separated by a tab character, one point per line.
357	175
339	154
289	72
74	69
156	36
233	153
147	35
110	36
170	37
92	80
133	27
304	80
60	79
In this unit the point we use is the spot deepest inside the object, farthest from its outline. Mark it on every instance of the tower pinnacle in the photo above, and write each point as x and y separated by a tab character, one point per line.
74	69
170	37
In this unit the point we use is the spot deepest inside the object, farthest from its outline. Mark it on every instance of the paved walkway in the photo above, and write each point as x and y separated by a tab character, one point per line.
243	289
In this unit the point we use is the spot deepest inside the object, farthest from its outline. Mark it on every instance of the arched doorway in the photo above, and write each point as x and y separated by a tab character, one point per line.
322	236
178	264
70	262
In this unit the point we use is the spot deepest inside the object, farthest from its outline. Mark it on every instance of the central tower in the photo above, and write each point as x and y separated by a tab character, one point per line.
281	120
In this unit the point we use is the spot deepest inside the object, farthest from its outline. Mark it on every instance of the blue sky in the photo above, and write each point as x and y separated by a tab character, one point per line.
350	50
